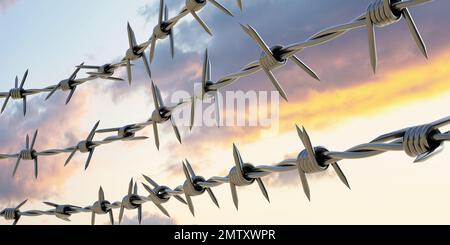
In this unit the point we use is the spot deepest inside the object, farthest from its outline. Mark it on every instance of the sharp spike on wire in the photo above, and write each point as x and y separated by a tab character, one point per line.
190	169
16	166
74	74
111	216
161	12
51	204
139	210
152	48
21	204
213	197
193	104
33	141
24	101
307	143
92	132
93	218
372	45
239	163
304	67
55	88
172	44
131	37
156	98
101	195
176	130
162	209
146	65
27	142
276	84
71	156
150	181
340	174
205	73
187	174
88	161
415	32
257	38
155	132
23	79
130	187
36	168
263	189
5	103
71	93
240	5
305	184
234	195
122	209
190	204
221	7
129	72
201	22
217	109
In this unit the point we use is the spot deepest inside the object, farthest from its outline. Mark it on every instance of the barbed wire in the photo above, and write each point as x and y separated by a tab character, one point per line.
421	141
388	12
380	13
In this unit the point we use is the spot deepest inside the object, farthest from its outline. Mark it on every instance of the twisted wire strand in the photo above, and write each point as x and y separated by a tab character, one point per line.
393	142
414	141
52	152
289	51
321	37
285	52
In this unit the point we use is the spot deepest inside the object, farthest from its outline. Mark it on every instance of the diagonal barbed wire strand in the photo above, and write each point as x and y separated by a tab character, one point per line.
388	12
421	141
379	13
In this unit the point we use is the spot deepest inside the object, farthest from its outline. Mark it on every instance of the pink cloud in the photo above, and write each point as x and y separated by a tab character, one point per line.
58	127
4	4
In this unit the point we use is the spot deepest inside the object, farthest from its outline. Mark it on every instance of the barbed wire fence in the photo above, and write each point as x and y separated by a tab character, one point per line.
421	142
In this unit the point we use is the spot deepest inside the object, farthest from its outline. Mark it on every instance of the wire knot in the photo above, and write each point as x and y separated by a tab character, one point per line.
101	207
271	62
63	212
28	154
84	146
308	166
241	179
194	189
66	85
11	214
417	140
381	13
162	193
125	132
16	93
128	202
195	5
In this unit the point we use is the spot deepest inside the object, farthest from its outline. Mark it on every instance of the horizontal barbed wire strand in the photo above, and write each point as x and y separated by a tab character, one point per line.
428	135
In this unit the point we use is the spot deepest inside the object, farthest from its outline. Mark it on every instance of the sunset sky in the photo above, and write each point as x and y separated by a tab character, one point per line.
349	106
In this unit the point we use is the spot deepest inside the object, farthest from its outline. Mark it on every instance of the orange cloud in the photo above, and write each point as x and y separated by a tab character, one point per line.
58	128
396	88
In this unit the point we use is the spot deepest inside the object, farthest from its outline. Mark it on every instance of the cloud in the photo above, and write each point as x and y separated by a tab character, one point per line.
4	4
57	126
149	219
